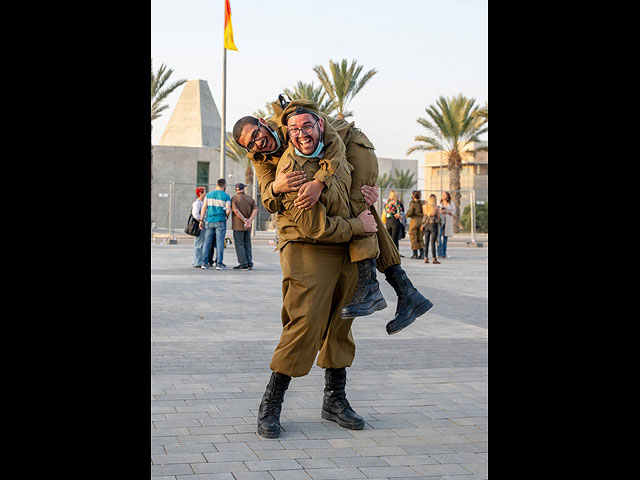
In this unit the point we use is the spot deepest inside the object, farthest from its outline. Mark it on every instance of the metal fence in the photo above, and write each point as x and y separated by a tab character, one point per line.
171	204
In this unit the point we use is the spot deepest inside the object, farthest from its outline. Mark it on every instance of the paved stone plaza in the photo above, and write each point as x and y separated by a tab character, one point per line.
422	392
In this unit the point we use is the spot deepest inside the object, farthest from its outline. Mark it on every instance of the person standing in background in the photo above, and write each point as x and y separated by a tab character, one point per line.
216	209
415	220
403	224
199	257
211	254
244	211
430	227
392	214
446	229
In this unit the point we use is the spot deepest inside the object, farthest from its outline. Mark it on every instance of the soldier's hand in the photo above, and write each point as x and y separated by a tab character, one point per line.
308	194
288	182
370	194
369	222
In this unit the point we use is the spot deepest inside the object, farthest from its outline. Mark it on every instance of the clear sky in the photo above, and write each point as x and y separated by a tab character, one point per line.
421	48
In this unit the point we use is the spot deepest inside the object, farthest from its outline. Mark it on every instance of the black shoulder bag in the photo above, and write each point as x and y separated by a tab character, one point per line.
193	227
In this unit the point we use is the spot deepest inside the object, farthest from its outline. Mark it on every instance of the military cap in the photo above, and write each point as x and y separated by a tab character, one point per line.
297	107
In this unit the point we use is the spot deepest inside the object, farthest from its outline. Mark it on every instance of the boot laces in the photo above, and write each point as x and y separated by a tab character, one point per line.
361	287
359	294
336	390
403	297
274	398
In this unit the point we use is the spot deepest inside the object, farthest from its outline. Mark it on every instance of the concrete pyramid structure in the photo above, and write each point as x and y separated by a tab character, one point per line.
195	121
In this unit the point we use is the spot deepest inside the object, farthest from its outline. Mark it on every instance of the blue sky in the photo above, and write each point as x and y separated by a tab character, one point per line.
421	48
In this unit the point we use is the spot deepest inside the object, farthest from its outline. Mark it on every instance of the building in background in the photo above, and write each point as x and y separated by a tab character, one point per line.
188	154
474	174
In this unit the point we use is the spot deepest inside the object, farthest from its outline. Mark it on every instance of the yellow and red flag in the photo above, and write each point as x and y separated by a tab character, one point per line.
228	29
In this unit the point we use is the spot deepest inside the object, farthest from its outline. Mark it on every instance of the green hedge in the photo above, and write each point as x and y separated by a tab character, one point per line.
482	218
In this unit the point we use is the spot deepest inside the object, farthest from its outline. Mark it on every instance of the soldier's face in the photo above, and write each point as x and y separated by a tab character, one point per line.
307	130
259	138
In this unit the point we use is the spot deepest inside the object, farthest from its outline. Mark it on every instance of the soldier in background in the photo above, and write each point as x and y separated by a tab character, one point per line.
414	213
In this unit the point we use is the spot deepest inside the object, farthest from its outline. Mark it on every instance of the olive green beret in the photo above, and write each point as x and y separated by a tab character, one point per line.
297	107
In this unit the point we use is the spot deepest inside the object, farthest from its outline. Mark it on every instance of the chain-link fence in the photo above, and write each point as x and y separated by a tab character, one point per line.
171	204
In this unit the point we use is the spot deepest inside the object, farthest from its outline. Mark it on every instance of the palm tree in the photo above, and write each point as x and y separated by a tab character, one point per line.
344	84
159	92
483	112
260	113
385	181
453	123
308	91
403	180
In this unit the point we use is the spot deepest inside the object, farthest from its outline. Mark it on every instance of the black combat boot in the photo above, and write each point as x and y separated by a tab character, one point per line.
411	303
415	254
335	406
269	411
421	256
368	297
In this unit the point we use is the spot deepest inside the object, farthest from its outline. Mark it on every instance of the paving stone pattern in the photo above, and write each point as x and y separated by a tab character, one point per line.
422	392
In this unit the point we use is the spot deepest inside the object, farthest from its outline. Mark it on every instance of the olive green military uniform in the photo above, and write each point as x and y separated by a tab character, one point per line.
331	164
330	220
318	275
317	281
317	246
414	213
360	154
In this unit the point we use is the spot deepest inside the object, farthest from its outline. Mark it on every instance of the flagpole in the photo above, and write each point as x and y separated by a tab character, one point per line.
223	140
227	43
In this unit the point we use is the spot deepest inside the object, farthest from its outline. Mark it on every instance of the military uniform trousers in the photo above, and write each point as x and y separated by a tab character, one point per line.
361	155
415	234
317	281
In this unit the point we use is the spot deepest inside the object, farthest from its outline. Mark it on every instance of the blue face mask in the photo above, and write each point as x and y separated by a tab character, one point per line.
275	135
314	154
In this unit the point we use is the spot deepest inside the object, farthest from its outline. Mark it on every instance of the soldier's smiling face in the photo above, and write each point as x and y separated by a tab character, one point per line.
257	138
305	131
